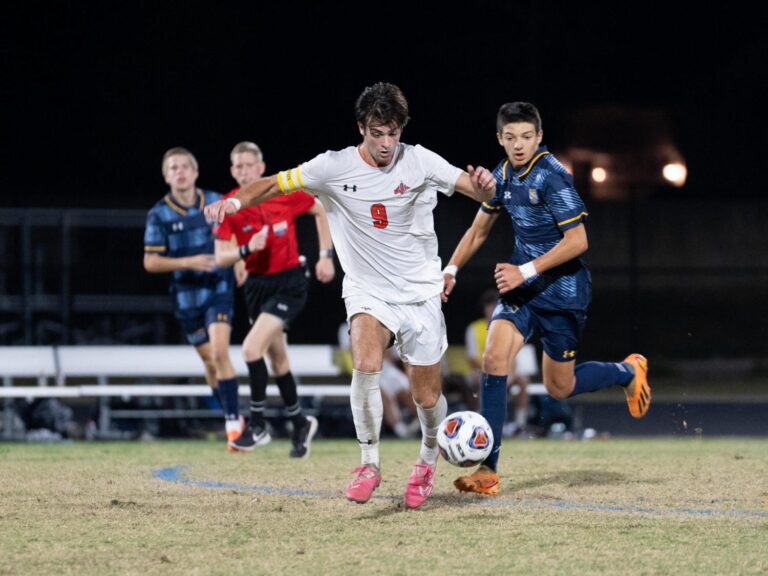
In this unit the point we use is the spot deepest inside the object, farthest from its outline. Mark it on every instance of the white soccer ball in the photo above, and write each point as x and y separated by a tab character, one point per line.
465	438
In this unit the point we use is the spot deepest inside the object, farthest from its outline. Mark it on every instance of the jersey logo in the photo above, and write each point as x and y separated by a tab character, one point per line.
402	188
177	226
280	228
507	195
569	354
352	187
533	195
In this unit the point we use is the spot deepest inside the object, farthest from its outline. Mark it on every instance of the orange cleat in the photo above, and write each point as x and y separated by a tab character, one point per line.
234	434
482	481
638	391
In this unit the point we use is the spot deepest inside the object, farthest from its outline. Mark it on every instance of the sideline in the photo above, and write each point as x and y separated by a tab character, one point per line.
178	474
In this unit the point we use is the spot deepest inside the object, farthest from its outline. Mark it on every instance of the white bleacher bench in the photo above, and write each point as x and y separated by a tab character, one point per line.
54	367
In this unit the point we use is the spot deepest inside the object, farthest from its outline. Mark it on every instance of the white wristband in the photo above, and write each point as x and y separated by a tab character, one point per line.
235	202
528	270
451	269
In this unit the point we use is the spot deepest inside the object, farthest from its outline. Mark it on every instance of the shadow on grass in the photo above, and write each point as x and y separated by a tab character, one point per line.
572	478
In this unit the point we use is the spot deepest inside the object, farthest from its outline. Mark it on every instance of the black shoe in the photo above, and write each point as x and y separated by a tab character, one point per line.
302	438
251	438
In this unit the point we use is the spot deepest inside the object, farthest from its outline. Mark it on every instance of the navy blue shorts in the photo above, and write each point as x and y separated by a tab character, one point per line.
196	326
560	331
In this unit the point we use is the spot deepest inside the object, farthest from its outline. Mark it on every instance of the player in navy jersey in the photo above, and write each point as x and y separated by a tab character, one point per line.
544	289
179	240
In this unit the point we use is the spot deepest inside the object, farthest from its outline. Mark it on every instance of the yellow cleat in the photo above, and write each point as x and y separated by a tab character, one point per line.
482	481
638	391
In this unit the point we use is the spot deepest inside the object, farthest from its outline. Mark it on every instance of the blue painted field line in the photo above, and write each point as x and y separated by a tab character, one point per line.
178	474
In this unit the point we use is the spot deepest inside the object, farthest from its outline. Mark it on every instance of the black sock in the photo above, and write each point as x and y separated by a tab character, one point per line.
257	370
287	386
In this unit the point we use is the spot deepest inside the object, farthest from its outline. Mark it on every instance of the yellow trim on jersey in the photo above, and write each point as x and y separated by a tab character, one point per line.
564	222
504	170
154	248
290	180
532	163
489	207
177	208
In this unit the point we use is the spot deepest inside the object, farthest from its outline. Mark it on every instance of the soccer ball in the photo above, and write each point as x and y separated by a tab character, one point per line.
465	438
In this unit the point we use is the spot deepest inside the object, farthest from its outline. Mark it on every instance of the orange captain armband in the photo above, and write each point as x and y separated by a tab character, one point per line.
290	180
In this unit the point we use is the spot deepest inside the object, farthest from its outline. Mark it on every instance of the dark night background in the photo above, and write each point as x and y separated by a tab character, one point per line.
94	93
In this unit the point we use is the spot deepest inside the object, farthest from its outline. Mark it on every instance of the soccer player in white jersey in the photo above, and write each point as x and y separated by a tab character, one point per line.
378	197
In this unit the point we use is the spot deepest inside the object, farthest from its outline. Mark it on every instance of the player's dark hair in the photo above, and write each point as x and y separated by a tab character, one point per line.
382	103
517	112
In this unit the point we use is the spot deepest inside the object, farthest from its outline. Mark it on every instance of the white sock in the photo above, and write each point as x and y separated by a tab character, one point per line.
367	413
232	425
430	419
521	417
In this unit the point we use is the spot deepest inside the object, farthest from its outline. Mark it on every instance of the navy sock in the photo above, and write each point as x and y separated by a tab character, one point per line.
216	398
257	371
229	399
493	405
594	376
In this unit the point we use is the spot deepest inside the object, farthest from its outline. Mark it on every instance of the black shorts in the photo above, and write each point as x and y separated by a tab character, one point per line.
283	295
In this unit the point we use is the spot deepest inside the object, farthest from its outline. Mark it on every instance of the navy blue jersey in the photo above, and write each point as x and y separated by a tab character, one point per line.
542	203
177	231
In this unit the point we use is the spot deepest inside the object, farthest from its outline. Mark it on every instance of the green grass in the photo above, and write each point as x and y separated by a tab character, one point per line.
603	507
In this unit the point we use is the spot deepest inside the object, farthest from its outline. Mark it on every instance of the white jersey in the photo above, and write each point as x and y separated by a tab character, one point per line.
381	218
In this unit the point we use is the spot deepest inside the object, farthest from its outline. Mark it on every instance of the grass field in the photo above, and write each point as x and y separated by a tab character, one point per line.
603	507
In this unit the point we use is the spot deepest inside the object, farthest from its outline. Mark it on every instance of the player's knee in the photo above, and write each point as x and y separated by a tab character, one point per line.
219	358
495	362
559	389
367	365
426	399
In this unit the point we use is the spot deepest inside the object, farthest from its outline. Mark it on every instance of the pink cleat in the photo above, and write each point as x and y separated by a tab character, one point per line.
420	485
367	479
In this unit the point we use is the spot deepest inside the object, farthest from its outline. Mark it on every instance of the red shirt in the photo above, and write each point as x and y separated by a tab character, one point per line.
279	213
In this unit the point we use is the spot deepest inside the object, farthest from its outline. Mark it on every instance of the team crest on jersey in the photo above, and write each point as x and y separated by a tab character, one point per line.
280	228
533	195
402	188
247	228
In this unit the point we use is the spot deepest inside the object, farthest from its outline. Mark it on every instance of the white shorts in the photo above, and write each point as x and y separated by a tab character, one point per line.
419	328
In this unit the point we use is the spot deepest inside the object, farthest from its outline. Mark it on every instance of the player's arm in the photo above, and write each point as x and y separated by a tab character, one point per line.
477	183
227	252
573	244
473	238
324	269
159	264
255	193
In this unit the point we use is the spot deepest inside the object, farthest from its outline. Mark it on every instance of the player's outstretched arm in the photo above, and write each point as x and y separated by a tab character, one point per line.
473	238
477	183
255	193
